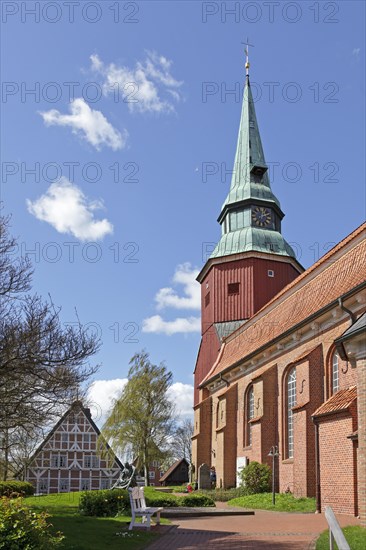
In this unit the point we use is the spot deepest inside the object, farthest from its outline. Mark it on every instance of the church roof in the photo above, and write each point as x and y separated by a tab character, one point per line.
250	188
339	402
358	326
252	239
224	329
249	153
336	273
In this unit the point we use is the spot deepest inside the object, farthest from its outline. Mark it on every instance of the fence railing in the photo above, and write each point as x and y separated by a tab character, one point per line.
335	531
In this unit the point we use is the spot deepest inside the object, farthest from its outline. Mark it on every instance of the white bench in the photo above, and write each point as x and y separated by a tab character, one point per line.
139	508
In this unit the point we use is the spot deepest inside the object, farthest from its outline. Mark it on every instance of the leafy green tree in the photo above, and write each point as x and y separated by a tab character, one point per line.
142	419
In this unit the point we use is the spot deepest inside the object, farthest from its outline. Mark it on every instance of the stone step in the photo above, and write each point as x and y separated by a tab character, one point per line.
188	512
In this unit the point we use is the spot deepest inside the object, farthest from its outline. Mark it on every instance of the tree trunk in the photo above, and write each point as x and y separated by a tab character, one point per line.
6	454
146	468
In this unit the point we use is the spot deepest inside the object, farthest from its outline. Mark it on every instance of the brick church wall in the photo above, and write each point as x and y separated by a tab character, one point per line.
361	404
337	464
201	442
298	473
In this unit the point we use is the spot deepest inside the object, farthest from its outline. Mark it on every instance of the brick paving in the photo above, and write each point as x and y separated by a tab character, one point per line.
263	531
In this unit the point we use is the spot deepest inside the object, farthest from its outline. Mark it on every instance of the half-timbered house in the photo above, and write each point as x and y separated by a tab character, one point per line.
73	457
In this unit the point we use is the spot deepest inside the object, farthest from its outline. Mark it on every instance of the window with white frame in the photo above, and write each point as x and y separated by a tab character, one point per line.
85	484
58	461
250	415
335	372
64	437
105	483
86	441
151	474
91	461
43	486
64	485
291	402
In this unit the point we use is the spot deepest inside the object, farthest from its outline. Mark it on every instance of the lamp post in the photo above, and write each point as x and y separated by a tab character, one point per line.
274	454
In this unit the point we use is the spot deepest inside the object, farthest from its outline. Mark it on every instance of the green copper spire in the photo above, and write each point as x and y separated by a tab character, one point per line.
251	214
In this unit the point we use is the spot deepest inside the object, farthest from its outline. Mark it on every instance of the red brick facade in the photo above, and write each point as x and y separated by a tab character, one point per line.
361	465
338	463
294	334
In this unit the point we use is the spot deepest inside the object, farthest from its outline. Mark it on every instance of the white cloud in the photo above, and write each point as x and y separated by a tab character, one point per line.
166	297
356	51
140	87
157	325
90	124
66	208
101	395
185	275
182	395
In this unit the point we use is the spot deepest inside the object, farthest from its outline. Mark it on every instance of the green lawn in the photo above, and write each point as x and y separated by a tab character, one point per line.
284	502
88	533
355	536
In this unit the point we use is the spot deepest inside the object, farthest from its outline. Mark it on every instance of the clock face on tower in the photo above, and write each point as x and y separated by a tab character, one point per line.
261	216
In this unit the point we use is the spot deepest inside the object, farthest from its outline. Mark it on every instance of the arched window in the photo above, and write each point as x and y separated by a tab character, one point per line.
335	372
249	415
290	403
218	414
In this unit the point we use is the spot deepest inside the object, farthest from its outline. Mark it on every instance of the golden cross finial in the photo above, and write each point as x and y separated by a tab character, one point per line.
247	64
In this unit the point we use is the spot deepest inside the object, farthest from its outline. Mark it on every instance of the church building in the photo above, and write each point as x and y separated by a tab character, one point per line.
282	361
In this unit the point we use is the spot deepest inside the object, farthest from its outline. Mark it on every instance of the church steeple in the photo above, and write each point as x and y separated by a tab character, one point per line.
251	214
252	262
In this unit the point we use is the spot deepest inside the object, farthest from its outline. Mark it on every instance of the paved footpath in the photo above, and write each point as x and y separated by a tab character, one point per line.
263	531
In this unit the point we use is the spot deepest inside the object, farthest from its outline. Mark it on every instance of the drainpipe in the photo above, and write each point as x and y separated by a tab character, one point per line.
222	379
350	313
317	468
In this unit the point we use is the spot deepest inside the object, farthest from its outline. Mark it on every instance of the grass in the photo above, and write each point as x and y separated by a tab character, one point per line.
178	488
88	533
355	536
284	502
223	495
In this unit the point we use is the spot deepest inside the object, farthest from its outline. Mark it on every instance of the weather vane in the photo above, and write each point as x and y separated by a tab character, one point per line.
247	64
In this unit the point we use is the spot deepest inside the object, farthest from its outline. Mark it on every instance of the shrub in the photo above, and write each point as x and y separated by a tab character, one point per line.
256	478
18	487
155	498
196	500
106	503
23	529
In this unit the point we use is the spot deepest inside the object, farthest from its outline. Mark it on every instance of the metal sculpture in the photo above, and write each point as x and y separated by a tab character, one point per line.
127	478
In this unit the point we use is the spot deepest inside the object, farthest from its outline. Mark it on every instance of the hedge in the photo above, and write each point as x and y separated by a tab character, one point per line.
155	498
16	488
196	500
110	503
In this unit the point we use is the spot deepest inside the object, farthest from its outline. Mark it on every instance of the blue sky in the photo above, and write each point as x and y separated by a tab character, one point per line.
124	253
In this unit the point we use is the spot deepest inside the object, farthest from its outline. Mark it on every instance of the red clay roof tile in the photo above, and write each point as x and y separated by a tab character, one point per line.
340	401
293	305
